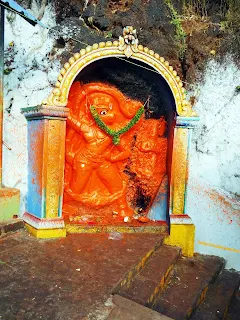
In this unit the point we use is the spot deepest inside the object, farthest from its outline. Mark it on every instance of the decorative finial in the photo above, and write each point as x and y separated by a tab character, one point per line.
129	42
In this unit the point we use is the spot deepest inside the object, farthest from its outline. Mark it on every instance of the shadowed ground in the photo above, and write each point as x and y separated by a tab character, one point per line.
64	278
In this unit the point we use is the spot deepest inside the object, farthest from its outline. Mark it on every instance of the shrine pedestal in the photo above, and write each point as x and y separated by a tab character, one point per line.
46	154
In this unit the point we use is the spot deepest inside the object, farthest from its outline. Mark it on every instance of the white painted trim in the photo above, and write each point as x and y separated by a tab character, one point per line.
43	223
180	220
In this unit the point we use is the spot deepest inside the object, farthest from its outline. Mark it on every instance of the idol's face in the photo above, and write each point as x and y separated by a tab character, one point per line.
107	107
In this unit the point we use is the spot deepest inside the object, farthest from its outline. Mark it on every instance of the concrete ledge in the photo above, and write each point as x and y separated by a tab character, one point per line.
78	228
9	203
10	226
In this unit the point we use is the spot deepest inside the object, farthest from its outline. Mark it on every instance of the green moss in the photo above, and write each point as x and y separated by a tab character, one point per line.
7	71
227	12
198	7
231	26
108	35
237	89
233	14
180	35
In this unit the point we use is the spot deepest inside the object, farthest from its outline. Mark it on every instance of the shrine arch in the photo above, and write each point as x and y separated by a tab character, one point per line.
118	49
47	137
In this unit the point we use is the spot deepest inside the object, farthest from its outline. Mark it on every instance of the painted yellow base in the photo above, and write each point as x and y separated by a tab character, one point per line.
46	233
182	235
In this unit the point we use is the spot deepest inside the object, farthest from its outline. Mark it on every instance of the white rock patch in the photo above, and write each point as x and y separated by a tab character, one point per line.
29	82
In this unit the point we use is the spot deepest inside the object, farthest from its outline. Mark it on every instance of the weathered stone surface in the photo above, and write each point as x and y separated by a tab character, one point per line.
150	277
218	296
66	9
234	309
11	226
128	310
98	16
64	278
156	27
76	36
104	20
188	281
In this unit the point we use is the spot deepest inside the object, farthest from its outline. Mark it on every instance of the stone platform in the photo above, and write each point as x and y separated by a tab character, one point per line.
66	278
112	276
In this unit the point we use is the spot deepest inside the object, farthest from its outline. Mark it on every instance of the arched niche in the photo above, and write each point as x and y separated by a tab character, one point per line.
46	134
120	49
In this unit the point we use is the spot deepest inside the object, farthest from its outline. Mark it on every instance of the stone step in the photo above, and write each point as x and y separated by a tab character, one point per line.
70	276
10	226
188	284
218	297
151	279
234	308
125	282
125	309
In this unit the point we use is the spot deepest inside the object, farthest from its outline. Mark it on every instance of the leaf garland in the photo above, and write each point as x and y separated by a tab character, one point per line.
112	133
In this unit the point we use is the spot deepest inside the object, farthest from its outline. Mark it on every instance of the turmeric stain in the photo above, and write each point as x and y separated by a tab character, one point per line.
179	174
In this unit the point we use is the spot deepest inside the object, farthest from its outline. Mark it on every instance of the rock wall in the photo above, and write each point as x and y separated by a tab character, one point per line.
29	75
214	183
32	60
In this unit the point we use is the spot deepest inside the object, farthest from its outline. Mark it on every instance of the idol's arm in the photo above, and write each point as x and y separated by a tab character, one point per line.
123	154
74	124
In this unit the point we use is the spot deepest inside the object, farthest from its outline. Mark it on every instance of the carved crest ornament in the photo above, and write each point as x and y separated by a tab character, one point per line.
129	42
126	47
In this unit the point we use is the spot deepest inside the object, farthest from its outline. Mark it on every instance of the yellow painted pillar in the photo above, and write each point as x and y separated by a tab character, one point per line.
46	158
182	229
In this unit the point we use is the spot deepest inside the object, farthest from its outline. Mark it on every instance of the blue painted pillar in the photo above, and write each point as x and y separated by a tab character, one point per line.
46	158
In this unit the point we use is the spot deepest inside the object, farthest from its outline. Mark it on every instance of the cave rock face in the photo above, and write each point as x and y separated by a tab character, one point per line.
101	20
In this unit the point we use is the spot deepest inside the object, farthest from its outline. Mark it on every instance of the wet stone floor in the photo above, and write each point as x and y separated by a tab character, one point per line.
64	278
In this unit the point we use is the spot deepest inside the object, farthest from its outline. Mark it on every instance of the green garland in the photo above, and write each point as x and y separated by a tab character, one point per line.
112	133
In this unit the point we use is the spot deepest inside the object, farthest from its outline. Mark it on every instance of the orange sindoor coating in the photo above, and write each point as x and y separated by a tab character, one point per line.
95	170
148	161
94	166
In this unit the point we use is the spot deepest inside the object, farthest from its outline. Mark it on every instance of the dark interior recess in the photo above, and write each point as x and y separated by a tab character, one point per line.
137	82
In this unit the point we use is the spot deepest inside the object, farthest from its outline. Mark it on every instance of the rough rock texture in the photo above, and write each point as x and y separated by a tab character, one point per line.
126	309
30	72
101	20
10	226
211	27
